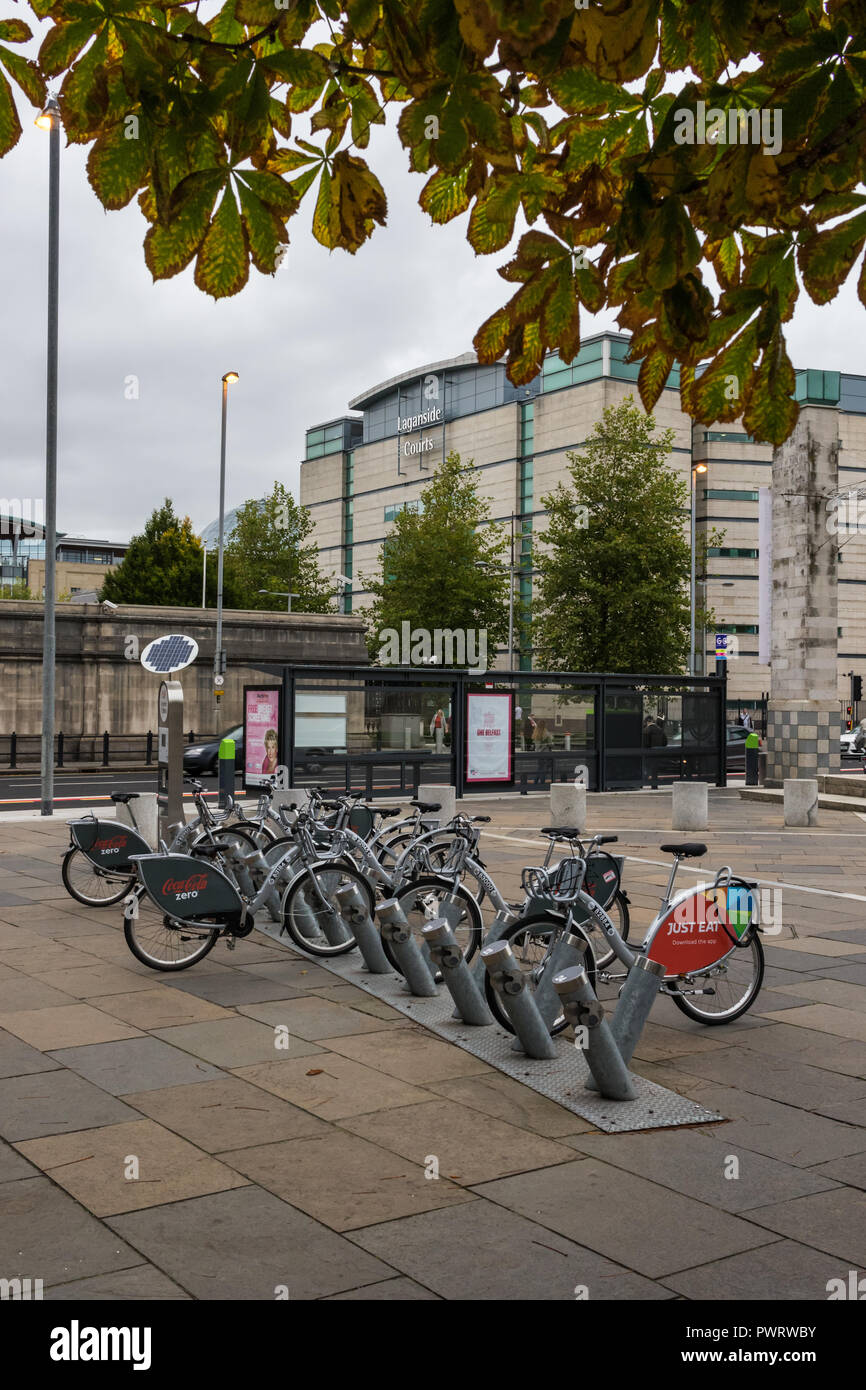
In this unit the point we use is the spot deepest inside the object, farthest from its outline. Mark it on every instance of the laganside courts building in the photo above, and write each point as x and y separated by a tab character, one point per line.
361	468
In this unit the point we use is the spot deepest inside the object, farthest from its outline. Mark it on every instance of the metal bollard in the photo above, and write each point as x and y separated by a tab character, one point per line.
304	917
752	754
568	951
636	998
510	984
500	924
583	1010
413	966
446	952
226	762
353	906
257	861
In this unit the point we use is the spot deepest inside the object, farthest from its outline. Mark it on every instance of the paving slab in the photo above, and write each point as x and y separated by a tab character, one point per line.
229	1114
93	1167
143	1284
781	1131
396	1290
247	1244
466	1151
825	1018
484	1252
833	1221
791	1082
373	1185
46	955
301	974
72	1025
783	1272
313	1018
236	1042
160	1007
139	1064
819	946
55	1102
13	1166
410	1054
332	1086
503	1098
46	1235
27	992
817	1049
365	1003
18	1058
231	987
100	978
842	993
699	1165
665	1231
851	1170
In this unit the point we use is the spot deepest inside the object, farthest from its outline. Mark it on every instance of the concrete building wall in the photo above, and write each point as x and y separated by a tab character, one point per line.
101	684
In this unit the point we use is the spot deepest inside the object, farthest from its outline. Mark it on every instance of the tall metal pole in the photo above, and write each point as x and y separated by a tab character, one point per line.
219	622
692	584
511	616
48	635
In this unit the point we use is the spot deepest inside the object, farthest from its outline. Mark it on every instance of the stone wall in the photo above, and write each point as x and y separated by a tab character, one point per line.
101	684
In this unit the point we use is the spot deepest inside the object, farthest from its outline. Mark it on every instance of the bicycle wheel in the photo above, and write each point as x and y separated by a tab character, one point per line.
91	886
311	914
162	942
735	984
264	835
232	834
530	942
421	902
618	914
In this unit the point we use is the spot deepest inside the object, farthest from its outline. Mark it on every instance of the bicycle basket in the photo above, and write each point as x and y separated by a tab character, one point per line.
188	888
107	843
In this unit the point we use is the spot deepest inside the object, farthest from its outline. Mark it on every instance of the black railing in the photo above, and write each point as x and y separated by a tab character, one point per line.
19	751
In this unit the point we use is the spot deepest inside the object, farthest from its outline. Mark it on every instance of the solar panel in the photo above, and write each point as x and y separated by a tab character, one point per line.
166	654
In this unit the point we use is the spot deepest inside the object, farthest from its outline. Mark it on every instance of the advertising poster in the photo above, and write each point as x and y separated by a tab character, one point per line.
261	733
489	726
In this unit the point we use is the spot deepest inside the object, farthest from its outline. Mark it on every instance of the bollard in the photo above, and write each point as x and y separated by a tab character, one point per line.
327	917
258	865
445	796
445	950
689	806
226	771
801	800
569	951
636	999
504	919
510	984
568	804
752	755
413	966
583	1010
354	909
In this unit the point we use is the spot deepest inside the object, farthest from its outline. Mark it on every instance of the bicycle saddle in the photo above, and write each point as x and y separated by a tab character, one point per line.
427	805
689	849
560	832
386	811
125	796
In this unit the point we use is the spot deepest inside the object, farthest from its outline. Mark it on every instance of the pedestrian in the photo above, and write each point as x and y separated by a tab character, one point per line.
654	736
746	720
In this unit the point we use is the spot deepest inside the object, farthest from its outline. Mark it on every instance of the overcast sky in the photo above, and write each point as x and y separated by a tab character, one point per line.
324	328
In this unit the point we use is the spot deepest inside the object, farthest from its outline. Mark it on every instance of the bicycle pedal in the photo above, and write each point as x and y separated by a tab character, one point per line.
230	942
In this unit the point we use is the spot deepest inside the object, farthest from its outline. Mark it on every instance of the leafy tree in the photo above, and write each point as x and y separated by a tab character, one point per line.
613	589
163	566
267	550
630	129
17	589
431	573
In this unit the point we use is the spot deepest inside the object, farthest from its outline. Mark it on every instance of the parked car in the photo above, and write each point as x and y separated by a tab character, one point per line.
846	744
735	746
202	759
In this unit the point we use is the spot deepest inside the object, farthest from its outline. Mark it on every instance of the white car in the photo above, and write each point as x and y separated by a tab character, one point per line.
846	744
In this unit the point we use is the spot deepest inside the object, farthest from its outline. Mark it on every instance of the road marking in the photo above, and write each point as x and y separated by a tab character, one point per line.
663	864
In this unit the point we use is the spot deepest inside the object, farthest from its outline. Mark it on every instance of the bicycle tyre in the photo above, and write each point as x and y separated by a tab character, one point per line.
709	1019
535	926
136	928
66	874
472	931
320	946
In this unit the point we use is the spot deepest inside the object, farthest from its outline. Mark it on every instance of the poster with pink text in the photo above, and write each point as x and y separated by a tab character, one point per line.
261	733
489	738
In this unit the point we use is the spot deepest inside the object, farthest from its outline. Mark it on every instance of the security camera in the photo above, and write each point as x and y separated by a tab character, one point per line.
106	603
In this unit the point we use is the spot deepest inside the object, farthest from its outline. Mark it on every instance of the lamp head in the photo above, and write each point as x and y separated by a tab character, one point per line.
49	113
230	378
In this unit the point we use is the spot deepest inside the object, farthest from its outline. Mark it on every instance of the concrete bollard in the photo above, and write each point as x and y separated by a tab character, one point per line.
446	796
510	984
689	806
568	804
413	966
635	1002
353	906
146	813
583	1010
801	801
445	950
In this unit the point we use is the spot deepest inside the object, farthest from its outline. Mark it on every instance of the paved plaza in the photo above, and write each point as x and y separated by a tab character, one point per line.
155	1144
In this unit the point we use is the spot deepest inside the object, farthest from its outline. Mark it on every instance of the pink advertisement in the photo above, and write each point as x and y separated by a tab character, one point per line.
261	734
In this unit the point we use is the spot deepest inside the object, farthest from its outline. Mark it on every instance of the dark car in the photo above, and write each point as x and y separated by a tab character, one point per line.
202	759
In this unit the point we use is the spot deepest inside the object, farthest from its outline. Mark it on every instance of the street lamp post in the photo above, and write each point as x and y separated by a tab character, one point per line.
511	569
50	120
204	577
281	593
696	469
228	379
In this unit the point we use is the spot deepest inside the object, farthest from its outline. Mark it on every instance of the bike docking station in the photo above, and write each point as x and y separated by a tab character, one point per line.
589	1075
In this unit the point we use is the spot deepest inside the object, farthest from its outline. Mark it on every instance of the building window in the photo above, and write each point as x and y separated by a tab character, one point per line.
728	552
392	512
727	494
730	437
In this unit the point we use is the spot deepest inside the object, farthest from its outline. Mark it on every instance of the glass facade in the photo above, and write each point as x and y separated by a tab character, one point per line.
727	494
819	388
333	438
392	512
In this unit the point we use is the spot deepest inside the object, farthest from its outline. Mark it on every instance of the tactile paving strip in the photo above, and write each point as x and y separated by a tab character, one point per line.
561	1079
